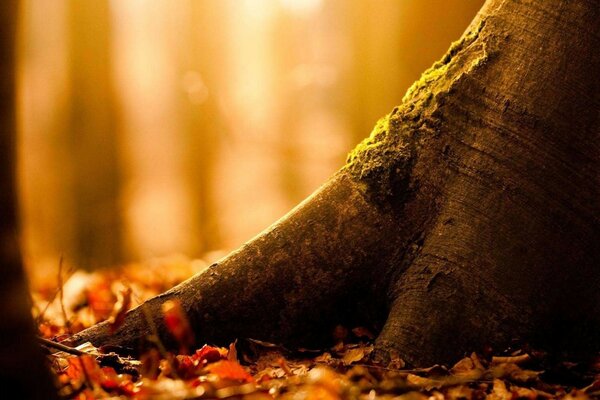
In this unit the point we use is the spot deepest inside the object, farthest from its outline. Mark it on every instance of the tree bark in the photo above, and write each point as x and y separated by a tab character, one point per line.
21	362
469	217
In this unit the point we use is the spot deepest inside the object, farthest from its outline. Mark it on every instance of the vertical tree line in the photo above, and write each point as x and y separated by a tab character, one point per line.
92	130
202	117
21	362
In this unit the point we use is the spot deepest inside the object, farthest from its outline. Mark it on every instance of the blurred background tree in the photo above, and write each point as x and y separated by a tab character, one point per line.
149	128
22	366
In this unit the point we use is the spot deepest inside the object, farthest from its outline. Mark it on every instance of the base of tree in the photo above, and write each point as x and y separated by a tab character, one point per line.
469	217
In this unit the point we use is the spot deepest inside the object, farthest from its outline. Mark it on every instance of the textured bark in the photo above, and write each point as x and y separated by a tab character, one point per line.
22	368
512	132
469	217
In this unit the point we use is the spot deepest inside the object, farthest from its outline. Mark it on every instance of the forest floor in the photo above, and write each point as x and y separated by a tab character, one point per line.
253	370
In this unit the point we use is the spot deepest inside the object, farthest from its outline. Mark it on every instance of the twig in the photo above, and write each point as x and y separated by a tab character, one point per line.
73	351
58	290
514	359
62	304
61	347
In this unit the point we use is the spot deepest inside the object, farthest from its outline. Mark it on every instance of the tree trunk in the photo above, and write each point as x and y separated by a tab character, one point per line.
469	217
22	367
92	140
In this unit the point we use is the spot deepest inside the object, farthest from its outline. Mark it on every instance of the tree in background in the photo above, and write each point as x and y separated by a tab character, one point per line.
21	361
92	139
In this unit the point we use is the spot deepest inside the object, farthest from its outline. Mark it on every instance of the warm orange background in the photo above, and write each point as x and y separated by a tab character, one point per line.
149	128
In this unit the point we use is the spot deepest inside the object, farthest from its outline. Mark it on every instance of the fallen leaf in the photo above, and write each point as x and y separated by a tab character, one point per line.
396	362
422	382
499	391
514	373
83	369
231	370
411	396
468	369
210	354
356	354
178	324
232	353
459	392
120	308
324	358
524	393
100	298
284	366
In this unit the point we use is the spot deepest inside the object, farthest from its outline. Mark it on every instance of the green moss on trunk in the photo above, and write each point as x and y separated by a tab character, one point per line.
383	161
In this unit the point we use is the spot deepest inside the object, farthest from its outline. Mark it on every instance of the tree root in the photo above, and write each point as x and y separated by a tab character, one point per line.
469	217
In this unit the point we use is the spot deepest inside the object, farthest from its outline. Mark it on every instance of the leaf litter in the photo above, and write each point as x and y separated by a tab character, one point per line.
250	369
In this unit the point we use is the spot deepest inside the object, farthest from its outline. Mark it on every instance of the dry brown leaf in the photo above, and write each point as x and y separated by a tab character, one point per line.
514	373
324	358
459	392
436	395
468	369
284	366
424	383
268	373
411	396
499	391
395	361
356	354
524	393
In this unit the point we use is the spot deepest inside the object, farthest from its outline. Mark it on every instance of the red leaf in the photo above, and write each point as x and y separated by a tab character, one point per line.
178	324
82	368
120	309
187	366
100	299
231	370
110	380
121	384
232	353
208	353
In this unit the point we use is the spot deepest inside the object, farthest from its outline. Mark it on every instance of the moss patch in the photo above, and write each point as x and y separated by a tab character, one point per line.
440	68
383	161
